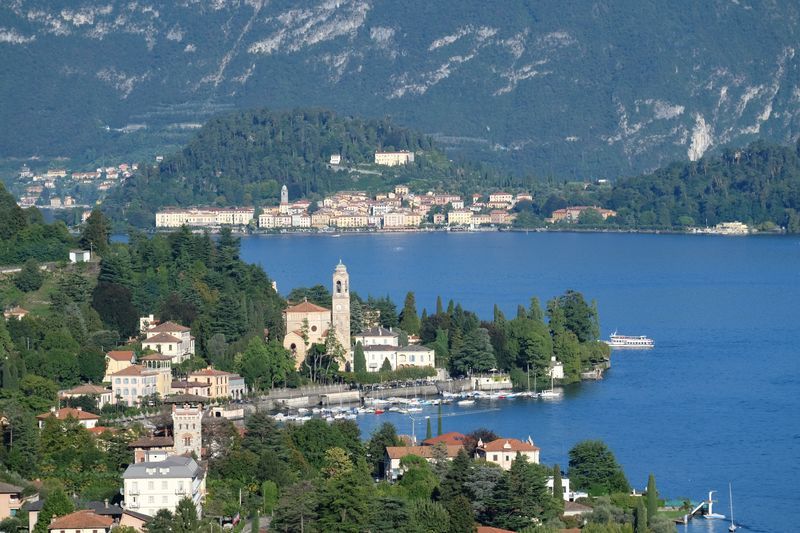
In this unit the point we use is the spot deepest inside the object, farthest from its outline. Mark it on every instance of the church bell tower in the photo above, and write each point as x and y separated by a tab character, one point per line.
340	313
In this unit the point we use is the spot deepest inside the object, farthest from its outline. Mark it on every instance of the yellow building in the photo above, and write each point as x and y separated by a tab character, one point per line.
217	380
461	217
117	360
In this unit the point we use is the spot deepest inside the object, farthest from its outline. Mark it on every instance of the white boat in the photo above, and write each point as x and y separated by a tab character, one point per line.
550	393
465	402
731	527
628	341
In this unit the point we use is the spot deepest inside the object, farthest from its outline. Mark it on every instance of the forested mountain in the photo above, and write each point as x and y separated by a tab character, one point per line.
759	185
573	89
243	158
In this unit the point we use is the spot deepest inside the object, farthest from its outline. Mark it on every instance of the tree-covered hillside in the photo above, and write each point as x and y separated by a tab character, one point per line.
569	88
759	185
243	158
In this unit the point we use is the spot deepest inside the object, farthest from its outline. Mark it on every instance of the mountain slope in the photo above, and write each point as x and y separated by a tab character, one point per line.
568	87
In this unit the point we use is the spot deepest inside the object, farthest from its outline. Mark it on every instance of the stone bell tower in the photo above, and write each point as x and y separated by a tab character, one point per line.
340	314
187	429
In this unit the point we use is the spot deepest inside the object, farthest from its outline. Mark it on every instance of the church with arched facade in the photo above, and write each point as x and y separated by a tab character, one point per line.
320	321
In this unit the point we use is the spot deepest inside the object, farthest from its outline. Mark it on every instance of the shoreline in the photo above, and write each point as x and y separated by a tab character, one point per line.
349	232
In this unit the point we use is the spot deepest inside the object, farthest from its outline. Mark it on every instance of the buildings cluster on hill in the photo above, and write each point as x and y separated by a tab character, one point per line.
53	188
395	210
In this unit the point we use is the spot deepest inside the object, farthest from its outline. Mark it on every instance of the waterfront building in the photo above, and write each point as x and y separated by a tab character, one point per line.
85	418
415	356
151	448
190	388
392	159
571	214
378	336
502	452
462	217
150	486
394	454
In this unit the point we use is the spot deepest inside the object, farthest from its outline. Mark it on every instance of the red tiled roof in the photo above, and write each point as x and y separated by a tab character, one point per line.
451	439
161	338
97	430
514	445
209	372
487	529
168	327
86	390
398	452
135	370
306	307
120	355
81	520
66	412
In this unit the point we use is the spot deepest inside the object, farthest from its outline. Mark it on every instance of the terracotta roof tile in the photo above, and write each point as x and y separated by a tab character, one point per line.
86	390
306	307
161	338
66	412
120	355
452	439
81	520
168	327
514	445
135	370
398	452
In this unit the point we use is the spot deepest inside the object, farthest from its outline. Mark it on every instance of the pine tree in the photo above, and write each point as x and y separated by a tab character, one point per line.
56	504
96	232
359	359
652	499
386	366
462	519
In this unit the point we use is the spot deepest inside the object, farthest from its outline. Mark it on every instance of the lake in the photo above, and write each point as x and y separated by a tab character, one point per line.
717	400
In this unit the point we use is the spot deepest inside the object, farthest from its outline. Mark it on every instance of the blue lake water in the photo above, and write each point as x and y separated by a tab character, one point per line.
717	400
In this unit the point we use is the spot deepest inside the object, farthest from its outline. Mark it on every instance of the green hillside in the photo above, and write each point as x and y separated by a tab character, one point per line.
243	158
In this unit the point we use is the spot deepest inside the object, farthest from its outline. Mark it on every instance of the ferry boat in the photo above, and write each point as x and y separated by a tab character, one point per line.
626	341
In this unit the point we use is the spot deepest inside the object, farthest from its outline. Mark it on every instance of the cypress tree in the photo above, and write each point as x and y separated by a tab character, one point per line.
359	359
428	432
439	421
256	523
558	489
640	517
652	499
522	312
409	320
439	308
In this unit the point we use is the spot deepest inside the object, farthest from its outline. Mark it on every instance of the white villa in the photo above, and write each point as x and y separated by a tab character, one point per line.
170	339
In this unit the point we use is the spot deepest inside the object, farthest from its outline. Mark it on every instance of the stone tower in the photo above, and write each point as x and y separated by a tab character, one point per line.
284	195
340	314
187	429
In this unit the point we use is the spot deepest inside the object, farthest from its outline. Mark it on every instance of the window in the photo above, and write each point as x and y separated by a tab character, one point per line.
117	381
151	499
150	485
158	348
133	381
164	485
133	391
494	457
313	328
187	441
339	287
170	348
125	381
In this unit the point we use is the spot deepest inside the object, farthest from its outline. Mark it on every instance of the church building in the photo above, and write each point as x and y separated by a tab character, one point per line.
320	321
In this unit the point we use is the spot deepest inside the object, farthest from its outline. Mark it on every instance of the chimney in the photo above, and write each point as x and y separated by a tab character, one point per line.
105	502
